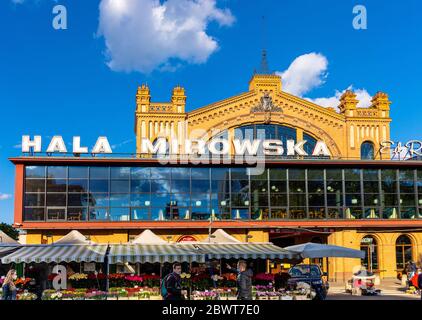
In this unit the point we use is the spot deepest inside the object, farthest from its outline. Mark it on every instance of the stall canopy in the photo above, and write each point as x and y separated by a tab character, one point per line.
221	236
152	253
73	237
246	250
148	237
57	253
73	247
316	250
7	244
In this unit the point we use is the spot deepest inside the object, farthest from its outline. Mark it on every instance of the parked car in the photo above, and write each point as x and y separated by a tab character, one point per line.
312	275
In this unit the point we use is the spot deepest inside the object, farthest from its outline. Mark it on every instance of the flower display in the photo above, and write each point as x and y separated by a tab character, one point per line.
96	295
78	276
26	296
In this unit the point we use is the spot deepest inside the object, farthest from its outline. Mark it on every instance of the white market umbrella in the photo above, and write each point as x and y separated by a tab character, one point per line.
316	250
5	239
148	237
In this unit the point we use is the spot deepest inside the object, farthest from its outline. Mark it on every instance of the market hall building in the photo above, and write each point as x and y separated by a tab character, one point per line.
355	197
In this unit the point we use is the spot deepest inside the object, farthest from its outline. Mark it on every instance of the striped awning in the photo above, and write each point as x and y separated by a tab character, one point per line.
246	251
5	249
152	253
56	253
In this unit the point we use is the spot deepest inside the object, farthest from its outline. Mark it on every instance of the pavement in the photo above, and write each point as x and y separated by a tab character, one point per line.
391	289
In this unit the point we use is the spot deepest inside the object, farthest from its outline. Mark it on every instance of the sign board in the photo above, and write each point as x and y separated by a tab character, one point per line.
89	266
187	239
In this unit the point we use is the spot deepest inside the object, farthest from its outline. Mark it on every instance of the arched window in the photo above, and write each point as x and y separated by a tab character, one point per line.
367	151
368	244
310	143
403	251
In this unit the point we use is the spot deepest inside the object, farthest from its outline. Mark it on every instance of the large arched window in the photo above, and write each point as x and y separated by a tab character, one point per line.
367	151
403	251
368	244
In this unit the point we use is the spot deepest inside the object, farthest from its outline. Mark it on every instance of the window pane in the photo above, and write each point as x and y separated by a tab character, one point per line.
57	172
296	174
119	186
407	186
296	213
99	214
35	185
407	200
298	200
240	186
77	214
34	199
119	200
160	186
200	173
259	186
180	186
278	174
140	186
370	174
99	173
315	174
99	200
200	199
240	199
220	186
140	214
240	213
334	174
160	173
258	173
335	199
316	186
56	185
352	174
371	199
35	171
56	199
219	173
140	173
56	213
259	200
180	200
119	214
78	172
278	186
353	200
201	186
316	200
34	214
352	186
98	185
297	186
278	200
119	173
141	199
370	186
160	200
78	186
239	174
406	174
316	213
180	173
77	199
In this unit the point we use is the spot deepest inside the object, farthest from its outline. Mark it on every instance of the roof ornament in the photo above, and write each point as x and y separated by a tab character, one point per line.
266	105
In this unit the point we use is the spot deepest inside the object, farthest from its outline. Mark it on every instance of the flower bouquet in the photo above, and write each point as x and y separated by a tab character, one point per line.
78	280
119	293
204	295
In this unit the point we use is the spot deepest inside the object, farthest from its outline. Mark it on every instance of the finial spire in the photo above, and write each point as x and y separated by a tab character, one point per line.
264	61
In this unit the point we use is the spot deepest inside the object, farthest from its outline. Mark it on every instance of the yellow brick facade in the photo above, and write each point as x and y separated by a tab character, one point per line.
343	131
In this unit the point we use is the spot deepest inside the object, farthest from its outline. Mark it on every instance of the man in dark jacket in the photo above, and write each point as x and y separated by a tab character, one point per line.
420	282
173	283
244	280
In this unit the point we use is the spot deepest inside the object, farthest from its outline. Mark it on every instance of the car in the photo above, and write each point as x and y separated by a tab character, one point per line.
312	275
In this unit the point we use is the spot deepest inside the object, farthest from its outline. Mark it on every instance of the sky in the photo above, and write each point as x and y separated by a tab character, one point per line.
82	80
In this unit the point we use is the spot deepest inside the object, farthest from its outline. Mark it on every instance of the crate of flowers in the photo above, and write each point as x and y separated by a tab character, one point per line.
118	293
51	294
96	295
226	293
78	280
204	295
26	295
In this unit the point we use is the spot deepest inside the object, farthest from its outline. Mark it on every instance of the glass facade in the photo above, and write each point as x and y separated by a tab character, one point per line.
77	193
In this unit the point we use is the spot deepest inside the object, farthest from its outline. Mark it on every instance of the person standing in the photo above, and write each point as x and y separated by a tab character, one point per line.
9	288
244	280
172	284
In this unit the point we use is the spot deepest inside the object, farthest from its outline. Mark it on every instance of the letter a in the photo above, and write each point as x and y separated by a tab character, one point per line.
361	20
60	20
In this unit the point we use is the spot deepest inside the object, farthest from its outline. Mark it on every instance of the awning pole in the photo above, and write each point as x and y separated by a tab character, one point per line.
107	268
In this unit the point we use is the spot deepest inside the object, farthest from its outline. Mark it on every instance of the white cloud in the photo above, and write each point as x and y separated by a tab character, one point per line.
142	35
362	96
308	72
5	196
305	73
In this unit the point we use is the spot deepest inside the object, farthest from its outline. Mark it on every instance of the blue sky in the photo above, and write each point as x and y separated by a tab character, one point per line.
83	80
